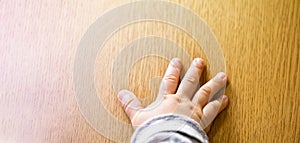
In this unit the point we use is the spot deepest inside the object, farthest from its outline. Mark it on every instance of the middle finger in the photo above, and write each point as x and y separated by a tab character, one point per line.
191	79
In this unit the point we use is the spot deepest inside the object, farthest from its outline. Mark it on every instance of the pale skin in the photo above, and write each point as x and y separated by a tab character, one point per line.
185	98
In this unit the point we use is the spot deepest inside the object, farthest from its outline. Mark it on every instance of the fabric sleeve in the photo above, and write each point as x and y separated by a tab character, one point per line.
170	128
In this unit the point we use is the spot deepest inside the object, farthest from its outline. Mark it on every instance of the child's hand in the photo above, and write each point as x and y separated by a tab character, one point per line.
186	100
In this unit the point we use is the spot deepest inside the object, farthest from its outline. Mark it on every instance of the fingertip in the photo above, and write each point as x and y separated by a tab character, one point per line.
176	59
131	104
225	98
121	93
222	76
199	62
177	62
224	102
124	96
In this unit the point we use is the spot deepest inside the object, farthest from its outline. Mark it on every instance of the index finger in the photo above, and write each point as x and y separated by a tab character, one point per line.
190	81
170	80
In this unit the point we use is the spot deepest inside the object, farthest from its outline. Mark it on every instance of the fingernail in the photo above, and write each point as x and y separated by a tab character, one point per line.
199	62
124	97
224	98
221	75
177	62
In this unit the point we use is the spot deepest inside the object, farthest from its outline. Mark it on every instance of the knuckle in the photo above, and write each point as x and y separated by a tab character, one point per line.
174	97
198	114
198	111
215	106
205	90
191	80
170	78
204	122
127	105
218	81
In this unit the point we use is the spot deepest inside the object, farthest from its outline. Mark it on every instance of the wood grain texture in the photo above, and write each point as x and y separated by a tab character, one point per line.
260	41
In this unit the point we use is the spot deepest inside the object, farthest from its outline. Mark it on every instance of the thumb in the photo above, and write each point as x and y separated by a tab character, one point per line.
131	104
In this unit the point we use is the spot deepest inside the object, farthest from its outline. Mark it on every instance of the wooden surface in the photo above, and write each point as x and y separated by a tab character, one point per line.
260	41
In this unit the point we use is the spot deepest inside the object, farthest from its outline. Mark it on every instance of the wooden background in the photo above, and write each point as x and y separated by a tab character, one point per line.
260	40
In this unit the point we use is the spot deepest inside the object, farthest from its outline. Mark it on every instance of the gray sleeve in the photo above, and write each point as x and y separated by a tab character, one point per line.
170	128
